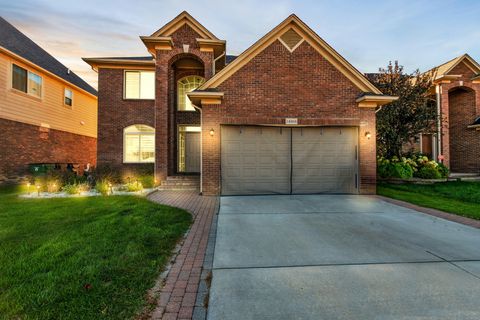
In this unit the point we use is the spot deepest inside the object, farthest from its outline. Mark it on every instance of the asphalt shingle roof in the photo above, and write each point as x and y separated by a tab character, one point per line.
15	41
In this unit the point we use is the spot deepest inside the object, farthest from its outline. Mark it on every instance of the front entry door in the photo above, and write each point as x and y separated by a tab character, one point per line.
192	151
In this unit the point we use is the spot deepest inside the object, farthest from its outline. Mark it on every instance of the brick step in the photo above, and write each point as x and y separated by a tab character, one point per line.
180	183
178	188
176	178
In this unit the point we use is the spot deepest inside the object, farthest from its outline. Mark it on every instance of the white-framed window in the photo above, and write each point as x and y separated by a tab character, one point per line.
68	97
139	84
184	86
26	81
139	144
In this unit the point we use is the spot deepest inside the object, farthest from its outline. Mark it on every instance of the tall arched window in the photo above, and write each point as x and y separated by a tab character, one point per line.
184	86
139	144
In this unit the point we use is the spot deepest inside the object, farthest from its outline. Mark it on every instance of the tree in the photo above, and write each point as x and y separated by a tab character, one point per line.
413	113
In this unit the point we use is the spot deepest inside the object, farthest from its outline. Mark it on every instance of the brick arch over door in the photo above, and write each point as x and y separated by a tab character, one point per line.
464	142
165	127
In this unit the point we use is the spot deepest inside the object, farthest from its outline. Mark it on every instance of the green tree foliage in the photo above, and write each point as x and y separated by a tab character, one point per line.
413	113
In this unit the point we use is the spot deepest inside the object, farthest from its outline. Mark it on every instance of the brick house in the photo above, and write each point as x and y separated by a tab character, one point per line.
456	91
47	113
289	115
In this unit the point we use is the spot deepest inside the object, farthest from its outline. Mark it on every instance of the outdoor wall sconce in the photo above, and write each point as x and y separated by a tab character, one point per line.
212	132
368	135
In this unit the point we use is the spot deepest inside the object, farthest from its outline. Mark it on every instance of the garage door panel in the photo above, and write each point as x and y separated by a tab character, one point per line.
323	160
260	163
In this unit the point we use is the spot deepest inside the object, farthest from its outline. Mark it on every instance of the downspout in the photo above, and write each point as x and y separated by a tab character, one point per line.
214	62
438	95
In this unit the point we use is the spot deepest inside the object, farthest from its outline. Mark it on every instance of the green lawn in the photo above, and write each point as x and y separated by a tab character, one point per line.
82	258
462	198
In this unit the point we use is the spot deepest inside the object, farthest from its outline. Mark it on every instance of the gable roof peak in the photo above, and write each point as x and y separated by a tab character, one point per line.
446	67
179	21
308	35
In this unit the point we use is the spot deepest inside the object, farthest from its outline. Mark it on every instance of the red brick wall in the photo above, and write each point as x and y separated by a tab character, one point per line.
464	142
277	84
166	116
22	144
116	113
458	111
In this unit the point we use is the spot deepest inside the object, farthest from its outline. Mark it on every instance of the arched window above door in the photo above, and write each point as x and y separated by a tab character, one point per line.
184	86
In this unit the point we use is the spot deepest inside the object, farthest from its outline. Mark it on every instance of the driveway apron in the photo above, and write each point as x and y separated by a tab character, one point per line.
340	257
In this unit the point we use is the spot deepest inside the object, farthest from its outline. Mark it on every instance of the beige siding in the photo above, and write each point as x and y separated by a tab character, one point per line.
81	118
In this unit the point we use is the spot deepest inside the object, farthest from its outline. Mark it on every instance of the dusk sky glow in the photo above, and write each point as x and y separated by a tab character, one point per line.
419	34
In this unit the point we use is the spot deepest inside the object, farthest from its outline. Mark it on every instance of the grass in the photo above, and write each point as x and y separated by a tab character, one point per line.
461	198
82	258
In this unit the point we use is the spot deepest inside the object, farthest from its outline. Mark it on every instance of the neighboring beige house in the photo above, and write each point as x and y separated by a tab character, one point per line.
47	113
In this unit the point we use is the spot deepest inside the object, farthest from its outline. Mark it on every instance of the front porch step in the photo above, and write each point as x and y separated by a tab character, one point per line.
456	176
172	183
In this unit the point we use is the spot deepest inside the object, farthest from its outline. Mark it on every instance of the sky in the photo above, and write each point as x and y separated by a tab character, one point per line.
420	34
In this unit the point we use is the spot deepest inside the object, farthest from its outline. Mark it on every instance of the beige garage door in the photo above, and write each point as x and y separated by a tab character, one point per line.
324	160
255	160
274	160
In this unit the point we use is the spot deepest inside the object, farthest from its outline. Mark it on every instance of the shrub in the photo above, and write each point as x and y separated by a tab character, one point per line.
402	170
444	171
428	172
132	187
75	188
103	187
405	168
147	181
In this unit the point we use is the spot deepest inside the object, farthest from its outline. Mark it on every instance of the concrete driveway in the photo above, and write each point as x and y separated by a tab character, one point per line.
340	257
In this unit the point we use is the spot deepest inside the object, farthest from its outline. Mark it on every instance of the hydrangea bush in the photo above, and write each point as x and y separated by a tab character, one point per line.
407	168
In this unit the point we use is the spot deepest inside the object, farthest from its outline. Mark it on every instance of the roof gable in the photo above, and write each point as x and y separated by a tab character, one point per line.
16	43
447	67
179	21
293	23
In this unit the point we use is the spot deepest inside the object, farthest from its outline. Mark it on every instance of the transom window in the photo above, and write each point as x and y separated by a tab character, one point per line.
68	97
139	144
184	86
26	81
139	84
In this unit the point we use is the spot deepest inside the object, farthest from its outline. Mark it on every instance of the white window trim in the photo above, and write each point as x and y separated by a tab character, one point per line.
125	84
20	91
140	143
64	96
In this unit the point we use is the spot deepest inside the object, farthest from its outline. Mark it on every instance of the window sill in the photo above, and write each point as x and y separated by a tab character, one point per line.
27	95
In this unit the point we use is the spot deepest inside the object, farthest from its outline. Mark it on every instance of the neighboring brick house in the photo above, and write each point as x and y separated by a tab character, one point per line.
456	90
289	115
47	113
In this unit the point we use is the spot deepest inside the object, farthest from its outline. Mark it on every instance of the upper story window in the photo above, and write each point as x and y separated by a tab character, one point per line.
68	97
184	86
26	81
139	84
139	144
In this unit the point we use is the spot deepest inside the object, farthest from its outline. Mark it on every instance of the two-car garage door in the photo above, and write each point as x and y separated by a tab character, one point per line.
281	160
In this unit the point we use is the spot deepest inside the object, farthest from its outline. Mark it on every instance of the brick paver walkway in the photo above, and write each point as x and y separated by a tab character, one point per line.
179	294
